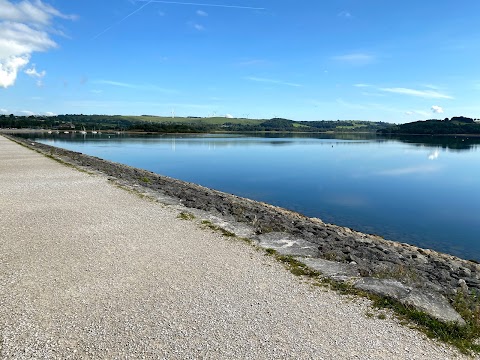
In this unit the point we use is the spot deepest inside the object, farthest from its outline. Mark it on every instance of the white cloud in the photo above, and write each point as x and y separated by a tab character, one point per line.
49	113
429	94
28	12
25	27
21	40
9	69
345	14
34	73
201	13
417	113
196	26
356	59
27	113
361	85
272	81
437	109
3	111
430	86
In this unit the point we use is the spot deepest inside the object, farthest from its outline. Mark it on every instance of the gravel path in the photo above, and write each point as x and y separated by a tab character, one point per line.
88	270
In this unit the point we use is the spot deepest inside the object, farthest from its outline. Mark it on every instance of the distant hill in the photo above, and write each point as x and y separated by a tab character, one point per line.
190	124
454	126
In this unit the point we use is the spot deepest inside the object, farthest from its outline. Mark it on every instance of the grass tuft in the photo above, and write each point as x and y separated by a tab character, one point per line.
212	226
186	216
146	180
270	251
296	267
245	240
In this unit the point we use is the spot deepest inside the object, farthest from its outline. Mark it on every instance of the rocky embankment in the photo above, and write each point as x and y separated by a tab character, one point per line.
424	279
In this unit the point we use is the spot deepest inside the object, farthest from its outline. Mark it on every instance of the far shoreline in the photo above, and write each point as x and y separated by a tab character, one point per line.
110	132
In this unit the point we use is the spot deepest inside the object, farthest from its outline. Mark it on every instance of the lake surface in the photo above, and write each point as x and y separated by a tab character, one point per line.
420	190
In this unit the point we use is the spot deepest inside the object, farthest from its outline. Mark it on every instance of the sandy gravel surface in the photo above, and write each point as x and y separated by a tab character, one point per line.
88	270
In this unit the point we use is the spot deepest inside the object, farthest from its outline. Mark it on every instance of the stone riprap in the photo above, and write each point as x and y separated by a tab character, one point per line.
363	256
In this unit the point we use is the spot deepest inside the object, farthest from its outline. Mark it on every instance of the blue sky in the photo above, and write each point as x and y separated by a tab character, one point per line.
379	60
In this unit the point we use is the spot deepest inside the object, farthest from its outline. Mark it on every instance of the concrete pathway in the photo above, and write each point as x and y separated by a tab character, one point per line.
91	271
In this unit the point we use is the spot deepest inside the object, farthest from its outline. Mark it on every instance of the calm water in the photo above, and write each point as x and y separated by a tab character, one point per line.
424	191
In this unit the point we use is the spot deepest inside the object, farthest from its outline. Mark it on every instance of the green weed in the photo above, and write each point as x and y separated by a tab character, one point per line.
270	251
186	216
293	265
212	226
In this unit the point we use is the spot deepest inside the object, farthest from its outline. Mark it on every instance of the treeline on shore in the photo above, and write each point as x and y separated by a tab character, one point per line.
455	125
155	124
183	125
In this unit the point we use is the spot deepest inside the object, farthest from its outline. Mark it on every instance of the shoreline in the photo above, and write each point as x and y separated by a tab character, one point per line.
404	272
92	270
386	135
26	131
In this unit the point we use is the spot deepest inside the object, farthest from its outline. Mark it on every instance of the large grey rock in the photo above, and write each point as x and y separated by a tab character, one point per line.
429	302
384	287
433	304
287	244
332	269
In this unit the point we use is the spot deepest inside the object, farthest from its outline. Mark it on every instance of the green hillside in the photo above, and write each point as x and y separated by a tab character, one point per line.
454	126
191	120
153	124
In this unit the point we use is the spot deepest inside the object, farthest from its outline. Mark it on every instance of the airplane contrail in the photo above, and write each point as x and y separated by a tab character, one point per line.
199	4
125	18
148	2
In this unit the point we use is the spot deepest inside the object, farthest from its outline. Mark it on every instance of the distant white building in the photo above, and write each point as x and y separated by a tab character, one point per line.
229	116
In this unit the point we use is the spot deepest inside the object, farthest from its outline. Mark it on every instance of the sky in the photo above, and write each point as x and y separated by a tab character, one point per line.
376	60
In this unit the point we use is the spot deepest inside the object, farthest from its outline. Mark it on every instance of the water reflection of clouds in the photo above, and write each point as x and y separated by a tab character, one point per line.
434	155
411	170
